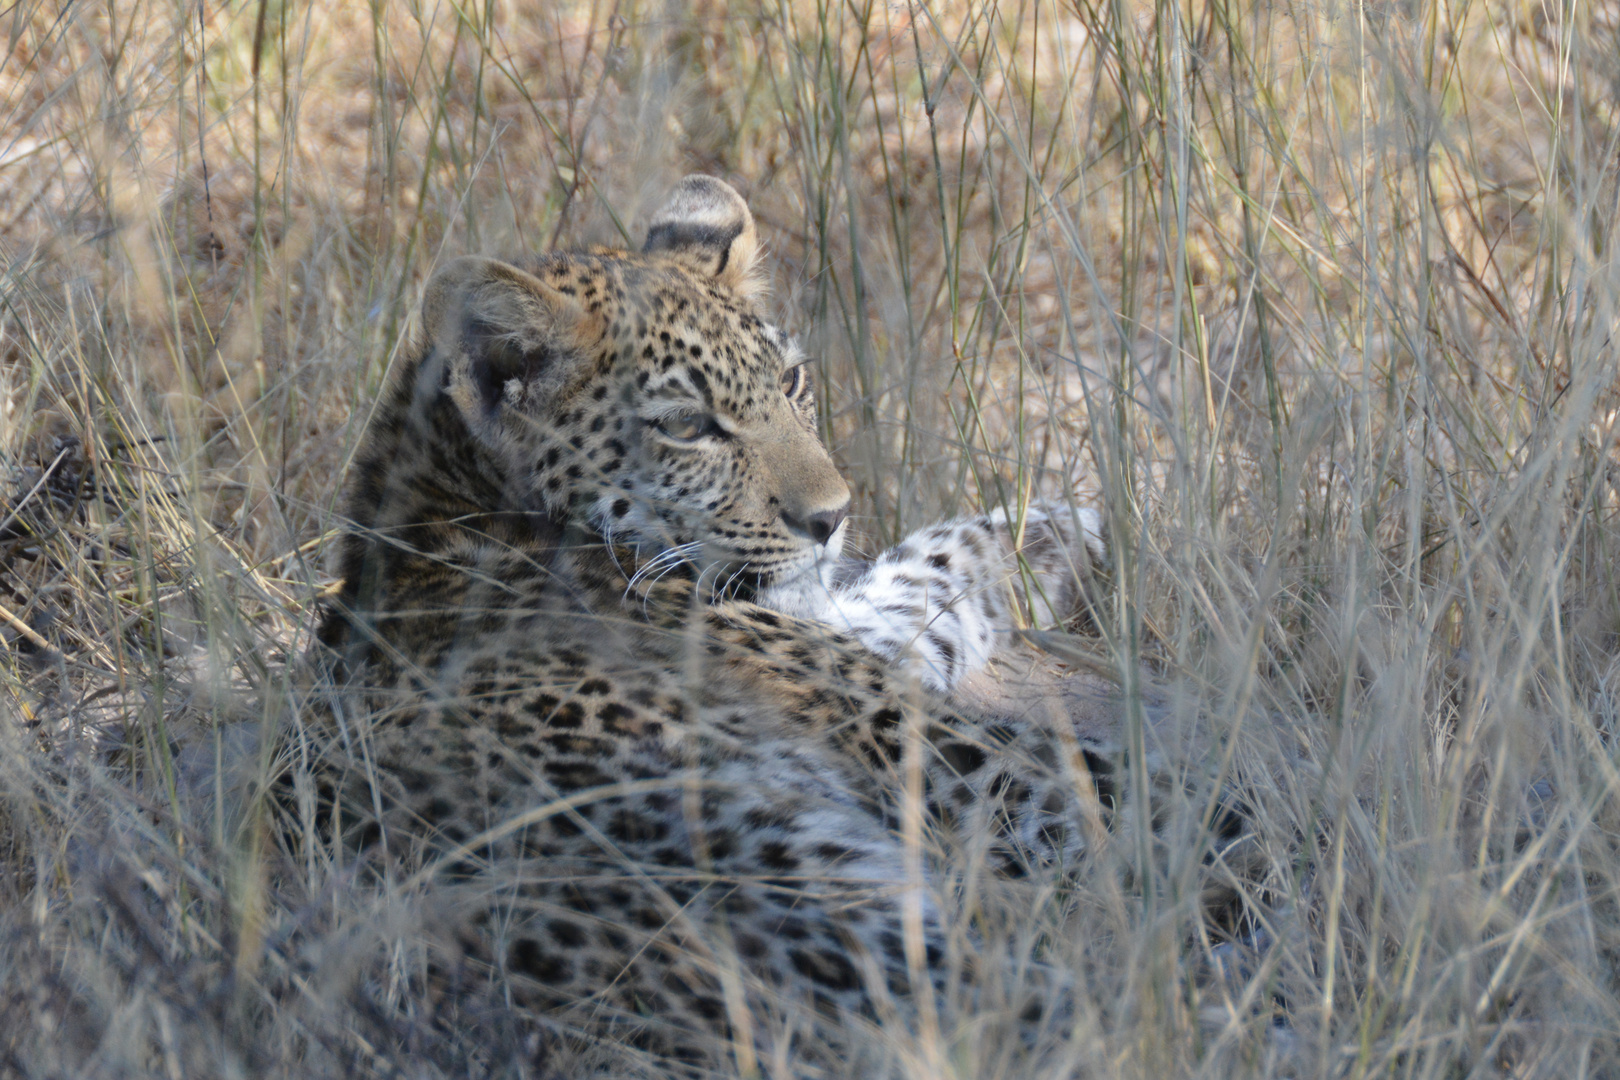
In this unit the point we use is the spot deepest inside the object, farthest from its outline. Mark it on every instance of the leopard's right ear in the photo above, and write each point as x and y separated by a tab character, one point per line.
508	341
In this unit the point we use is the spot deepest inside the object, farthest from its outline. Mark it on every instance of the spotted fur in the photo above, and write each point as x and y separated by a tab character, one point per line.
586	661
944	600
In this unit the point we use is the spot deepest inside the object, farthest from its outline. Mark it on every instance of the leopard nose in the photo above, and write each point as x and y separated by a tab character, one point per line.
818	526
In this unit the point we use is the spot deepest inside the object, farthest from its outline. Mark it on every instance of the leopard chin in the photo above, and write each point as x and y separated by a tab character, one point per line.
801	587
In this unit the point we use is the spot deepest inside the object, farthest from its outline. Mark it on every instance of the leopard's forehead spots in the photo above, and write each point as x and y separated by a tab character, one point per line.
685	338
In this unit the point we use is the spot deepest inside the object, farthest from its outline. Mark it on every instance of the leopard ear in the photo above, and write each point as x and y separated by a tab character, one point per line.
707	226
507	339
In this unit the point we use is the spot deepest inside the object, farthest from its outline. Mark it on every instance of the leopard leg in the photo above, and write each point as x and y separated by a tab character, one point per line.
942	601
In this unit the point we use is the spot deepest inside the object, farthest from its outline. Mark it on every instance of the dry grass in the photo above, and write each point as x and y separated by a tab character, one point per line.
1318	299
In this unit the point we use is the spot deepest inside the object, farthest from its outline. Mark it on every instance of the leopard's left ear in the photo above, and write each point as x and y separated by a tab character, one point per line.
503	339
707	226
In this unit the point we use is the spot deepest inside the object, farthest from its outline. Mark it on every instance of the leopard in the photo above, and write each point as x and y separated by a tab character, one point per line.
599	660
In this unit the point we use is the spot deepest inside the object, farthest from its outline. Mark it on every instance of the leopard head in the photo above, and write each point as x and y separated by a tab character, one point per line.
643	397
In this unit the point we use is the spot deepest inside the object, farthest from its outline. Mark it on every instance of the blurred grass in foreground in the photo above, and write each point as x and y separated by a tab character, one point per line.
1317	300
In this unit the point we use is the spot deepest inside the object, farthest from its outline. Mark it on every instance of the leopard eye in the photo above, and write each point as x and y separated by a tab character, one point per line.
684	427
793	381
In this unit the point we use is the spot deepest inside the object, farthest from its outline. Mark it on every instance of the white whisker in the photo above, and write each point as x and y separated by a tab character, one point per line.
730	580
663	563
669	557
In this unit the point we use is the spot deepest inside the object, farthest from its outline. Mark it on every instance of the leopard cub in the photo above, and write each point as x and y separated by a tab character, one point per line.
592	658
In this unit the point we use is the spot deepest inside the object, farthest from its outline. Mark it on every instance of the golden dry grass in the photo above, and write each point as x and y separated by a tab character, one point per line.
1317	299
